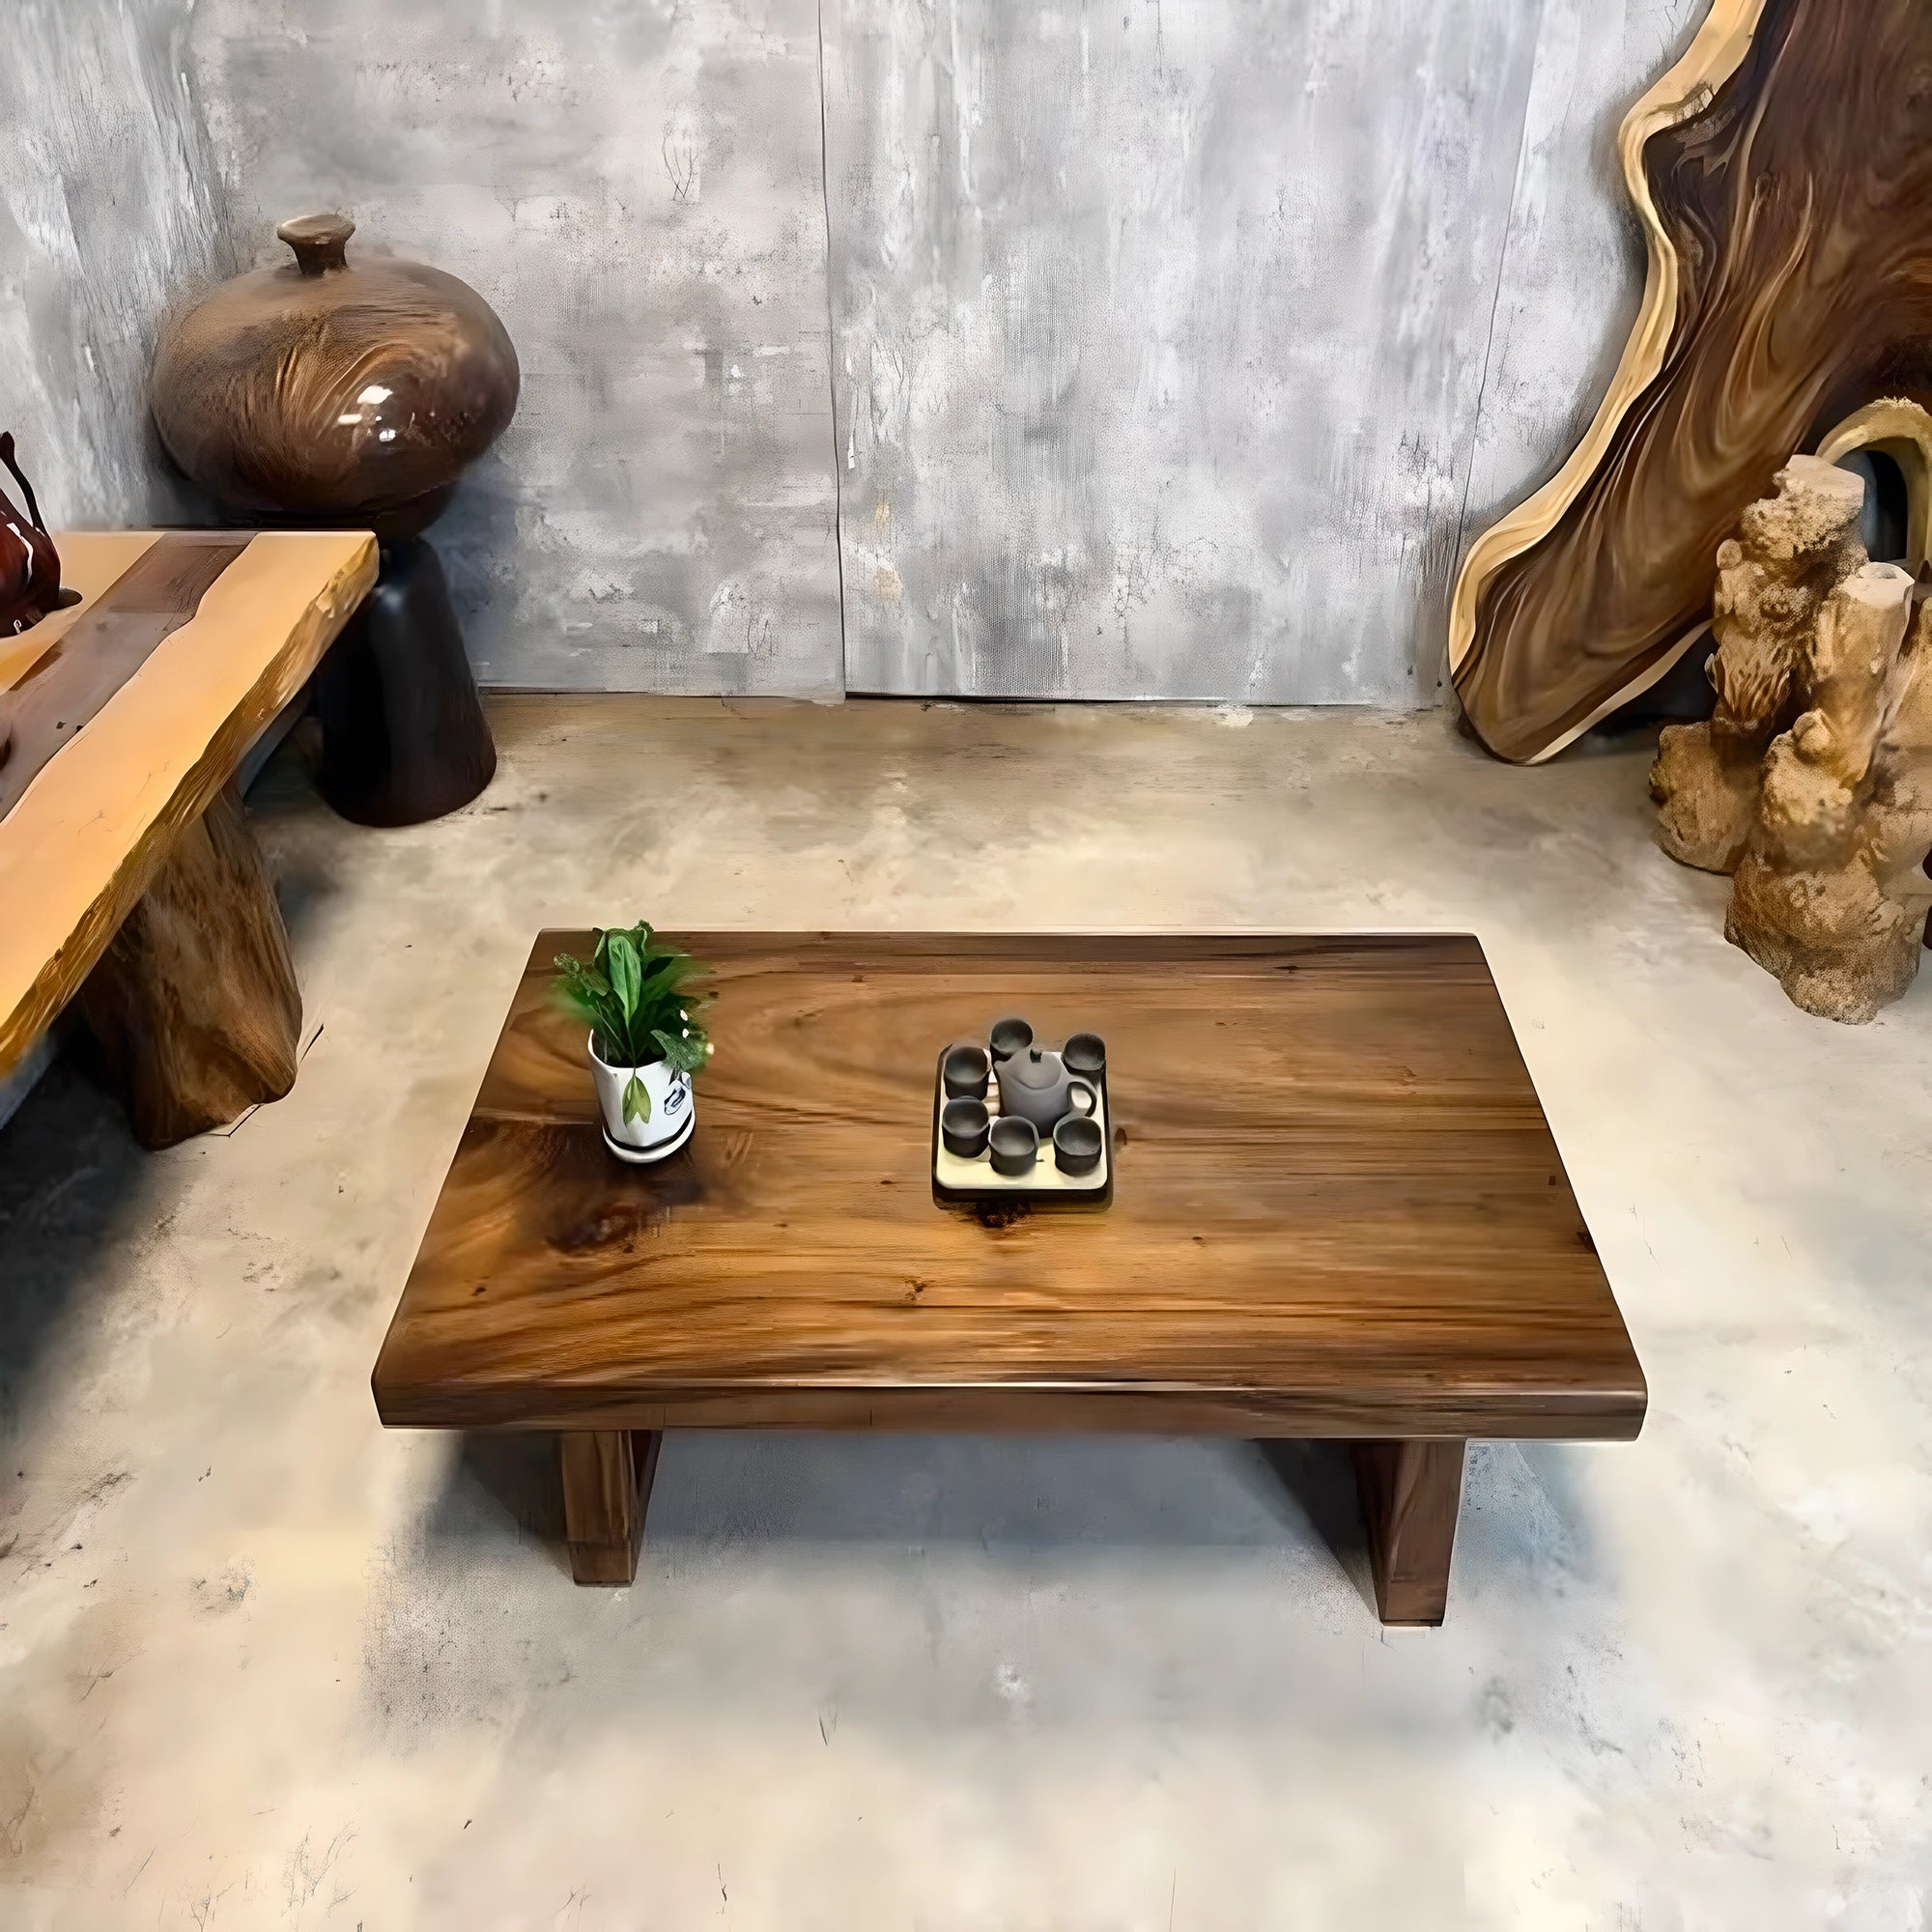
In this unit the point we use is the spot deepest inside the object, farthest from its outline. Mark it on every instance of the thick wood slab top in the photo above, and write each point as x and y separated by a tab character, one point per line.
129	713
1338	1210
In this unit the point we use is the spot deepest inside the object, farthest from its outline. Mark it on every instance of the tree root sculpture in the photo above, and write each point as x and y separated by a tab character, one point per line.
1811	784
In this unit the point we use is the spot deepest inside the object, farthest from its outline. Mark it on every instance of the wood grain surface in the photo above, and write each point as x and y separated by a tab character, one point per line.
607	1487
99	560
1782	172
194	1003
1338	1210
57	696
81	843
324	390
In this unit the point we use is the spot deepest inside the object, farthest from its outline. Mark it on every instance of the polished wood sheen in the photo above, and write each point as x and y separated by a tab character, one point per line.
1410	1493
327	391
194	1003
331	392
1782	173
106	645
1338	1210
83	840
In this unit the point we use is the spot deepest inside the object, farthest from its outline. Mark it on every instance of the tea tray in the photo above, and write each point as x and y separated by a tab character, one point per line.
972	1182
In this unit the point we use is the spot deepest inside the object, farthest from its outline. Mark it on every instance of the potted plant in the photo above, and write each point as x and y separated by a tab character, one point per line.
636	994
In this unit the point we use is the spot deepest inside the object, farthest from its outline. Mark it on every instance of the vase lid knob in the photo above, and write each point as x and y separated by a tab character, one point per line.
321	241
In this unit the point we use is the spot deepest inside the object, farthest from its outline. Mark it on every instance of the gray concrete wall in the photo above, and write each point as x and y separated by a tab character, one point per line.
1159	334
1178	349
1163	333
635	186
1573	263
108	210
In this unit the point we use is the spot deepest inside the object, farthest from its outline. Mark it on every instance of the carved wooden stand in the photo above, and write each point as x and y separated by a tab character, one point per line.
403	738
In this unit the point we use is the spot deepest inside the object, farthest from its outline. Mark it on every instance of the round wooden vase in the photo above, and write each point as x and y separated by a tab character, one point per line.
337	393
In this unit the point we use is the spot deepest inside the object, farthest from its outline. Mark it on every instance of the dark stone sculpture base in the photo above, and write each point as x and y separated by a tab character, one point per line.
403	738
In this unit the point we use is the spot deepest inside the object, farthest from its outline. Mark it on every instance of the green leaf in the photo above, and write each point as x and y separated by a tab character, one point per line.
583	990
637	1100
685	1052
637	996
626	979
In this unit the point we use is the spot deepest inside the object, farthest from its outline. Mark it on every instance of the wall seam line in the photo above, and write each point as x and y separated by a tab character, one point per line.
1490	341
832	359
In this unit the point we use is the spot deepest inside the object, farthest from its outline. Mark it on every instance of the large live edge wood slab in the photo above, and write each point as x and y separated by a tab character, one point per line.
1780	174
1338	1212
82	843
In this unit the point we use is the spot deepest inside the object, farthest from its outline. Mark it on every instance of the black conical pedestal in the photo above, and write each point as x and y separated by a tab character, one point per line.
403	738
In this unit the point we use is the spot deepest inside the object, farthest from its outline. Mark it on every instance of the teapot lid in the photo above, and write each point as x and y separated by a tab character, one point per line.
1033	1068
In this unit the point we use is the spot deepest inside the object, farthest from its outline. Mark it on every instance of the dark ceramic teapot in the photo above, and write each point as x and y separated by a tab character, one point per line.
1039	1087
30	567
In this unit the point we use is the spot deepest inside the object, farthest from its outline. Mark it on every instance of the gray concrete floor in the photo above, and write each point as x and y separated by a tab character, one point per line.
263	1665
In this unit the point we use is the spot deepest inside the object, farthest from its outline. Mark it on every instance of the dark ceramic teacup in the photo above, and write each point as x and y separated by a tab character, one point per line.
1009	1037
1076	1145
965	1071
1016	1145
1085	1054
963	1125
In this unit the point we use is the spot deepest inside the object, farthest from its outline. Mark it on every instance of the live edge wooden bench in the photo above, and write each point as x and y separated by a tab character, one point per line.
130	881
1338	1212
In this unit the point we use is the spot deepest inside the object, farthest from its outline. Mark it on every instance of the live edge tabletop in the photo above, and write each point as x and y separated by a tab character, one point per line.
1338	1210
127	713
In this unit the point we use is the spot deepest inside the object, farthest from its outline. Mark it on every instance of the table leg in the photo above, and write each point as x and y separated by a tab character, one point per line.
194	1001
1410	1493
606	1484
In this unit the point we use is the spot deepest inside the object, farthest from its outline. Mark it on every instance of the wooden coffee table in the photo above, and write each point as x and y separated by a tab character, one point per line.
1338	1212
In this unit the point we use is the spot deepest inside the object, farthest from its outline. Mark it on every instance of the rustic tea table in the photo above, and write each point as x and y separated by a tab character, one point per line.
129	878
1338	1212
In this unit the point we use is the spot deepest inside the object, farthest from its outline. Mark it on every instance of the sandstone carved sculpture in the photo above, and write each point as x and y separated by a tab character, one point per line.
1812	784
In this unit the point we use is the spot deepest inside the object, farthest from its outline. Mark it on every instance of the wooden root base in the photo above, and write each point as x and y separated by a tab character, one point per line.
1410	1493
194	1003
607	1485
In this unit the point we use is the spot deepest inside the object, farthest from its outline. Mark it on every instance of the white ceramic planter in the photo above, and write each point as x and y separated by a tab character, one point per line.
665	1129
